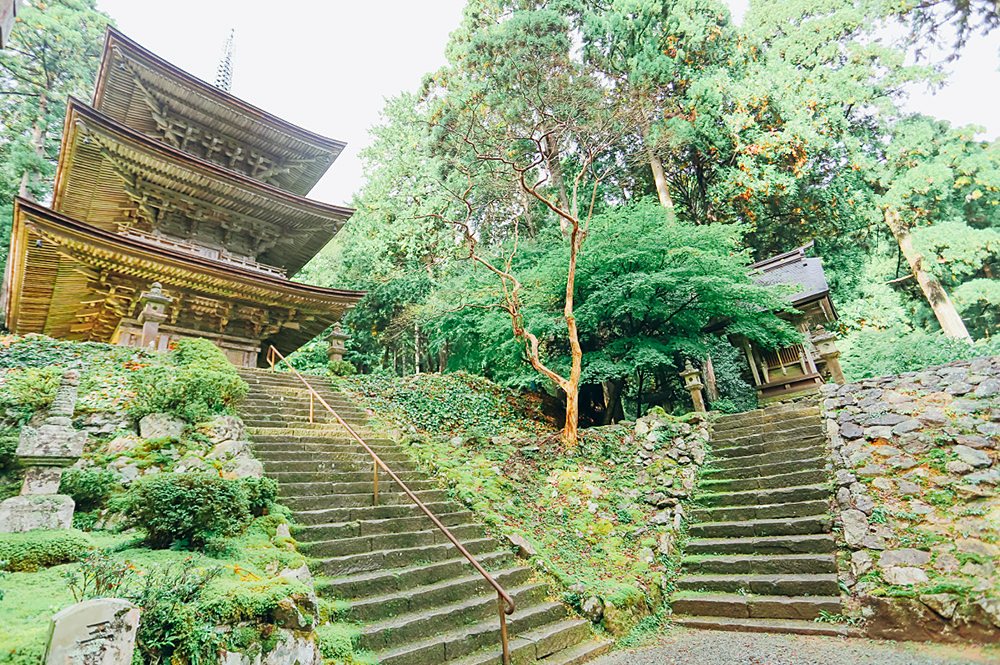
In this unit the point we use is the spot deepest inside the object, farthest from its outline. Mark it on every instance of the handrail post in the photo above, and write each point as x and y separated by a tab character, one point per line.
503	629
310	406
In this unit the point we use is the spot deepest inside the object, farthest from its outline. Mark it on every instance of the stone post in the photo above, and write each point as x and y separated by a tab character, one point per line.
337	341
694	385
154	312
101	631
46	451
826	345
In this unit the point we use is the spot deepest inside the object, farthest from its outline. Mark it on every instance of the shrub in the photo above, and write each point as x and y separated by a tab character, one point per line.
89	488
198	383
30	390
260	493
342	368
8	446
32	550
868	353
191	507
100	575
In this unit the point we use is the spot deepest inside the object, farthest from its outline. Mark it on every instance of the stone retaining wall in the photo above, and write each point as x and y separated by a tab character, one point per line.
915	461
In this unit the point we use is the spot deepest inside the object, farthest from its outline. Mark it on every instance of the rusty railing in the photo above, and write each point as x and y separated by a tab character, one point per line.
504	602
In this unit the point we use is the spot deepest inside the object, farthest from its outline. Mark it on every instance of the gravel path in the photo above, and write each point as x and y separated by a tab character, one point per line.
683	646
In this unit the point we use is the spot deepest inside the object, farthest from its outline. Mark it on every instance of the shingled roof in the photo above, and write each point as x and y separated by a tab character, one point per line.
796	270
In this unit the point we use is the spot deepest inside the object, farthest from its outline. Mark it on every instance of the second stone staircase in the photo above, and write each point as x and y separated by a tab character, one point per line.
761	555
417	599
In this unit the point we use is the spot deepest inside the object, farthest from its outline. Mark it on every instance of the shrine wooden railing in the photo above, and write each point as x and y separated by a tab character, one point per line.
504	602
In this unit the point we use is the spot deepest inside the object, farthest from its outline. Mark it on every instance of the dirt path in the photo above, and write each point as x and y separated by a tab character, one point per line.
681	646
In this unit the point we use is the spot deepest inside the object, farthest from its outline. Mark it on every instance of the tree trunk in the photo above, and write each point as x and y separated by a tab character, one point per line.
613	411
37	142
656	166
555	171
937	297
638	397
708	377
416	348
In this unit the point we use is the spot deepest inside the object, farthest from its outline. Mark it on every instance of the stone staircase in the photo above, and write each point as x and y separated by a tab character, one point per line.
761	555
418	600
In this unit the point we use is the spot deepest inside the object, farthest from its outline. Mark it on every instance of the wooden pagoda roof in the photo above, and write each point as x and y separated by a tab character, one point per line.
147	93
114	177
66	275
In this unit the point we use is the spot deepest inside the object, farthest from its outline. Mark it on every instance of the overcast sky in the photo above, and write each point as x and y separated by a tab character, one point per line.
328	65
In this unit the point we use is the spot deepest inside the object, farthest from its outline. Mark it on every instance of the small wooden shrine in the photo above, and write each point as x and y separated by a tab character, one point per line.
178	211
801	367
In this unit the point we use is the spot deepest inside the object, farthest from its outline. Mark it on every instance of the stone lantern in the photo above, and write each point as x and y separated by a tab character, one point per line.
692	381
154	312
46	451
826	345
337	341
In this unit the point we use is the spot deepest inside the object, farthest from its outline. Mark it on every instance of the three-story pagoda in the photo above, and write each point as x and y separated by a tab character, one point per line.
178	211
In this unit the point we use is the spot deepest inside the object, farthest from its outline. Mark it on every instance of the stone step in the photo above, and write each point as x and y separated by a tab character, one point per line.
320	501
820	543
765	496
710	473
385	483
756	607
264	402
807	584
803	477
560	641
758	457
330	445
760	416
765	512
748	625
311	429
365	475
329	457
793	526
318	439
426	621
359	528
387	580
418	599
370	561
539	629
760	564
303	422
389	541
818	442
775	429
341	466
333	515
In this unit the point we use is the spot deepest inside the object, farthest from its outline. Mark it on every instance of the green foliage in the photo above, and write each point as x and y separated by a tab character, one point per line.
868	353
189	507
32	550
90	488
198	382
8	446
174	626
261	493
99	575
28	391
341	368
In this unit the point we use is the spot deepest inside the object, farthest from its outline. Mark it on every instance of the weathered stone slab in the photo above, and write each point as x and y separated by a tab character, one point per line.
94	632
27	513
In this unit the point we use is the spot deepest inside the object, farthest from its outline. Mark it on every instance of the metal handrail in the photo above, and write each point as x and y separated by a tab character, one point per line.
504	602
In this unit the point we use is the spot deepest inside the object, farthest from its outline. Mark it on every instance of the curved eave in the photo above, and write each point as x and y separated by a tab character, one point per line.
317	221
206	99
175	265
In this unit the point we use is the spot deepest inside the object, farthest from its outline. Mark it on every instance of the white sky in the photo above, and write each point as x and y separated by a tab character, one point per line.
328	65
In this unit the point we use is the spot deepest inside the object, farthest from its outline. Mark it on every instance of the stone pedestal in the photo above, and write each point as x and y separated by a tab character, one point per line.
692	381
46	451
337	341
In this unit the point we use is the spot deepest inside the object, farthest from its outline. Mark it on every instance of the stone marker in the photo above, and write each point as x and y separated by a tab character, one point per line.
45	451
95	632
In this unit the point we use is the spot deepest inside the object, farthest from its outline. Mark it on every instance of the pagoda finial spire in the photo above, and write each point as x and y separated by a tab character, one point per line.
224	75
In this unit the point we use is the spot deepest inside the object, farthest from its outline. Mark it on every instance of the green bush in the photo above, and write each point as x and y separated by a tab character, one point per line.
260	493
868	352
32	550
341	368
197	383
8	446
89	488
29	391
187	507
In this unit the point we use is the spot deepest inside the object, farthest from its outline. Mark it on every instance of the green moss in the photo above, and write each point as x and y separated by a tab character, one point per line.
42	549
234	599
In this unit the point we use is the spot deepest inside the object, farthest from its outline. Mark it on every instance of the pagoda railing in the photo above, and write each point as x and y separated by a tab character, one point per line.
505	603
